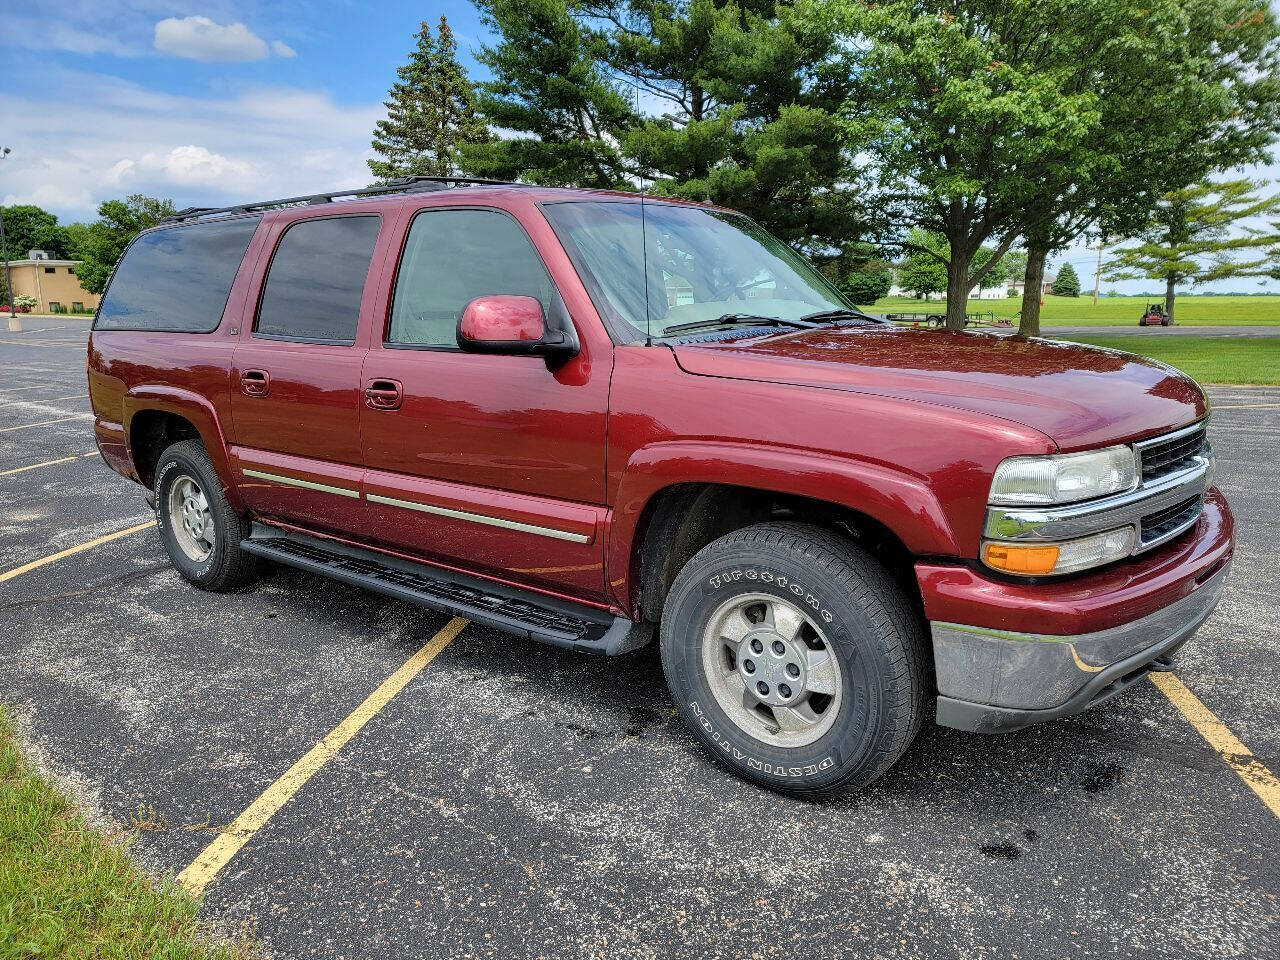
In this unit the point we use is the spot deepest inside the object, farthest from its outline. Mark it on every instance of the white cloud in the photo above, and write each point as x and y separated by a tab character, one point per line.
110	137
199	38
188	165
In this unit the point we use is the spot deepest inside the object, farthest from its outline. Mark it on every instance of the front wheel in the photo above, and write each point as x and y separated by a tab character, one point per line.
795	659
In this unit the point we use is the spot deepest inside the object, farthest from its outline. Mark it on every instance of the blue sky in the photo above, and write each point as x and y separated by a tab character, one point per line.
202	102
222	101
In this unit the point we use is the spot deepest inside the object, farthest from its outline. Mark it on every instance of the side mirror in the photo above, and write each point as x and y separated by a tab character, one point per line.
515	325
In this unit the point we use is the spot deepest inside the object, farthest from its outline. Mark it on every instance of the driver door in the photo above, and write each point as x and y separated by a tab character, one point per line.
489	463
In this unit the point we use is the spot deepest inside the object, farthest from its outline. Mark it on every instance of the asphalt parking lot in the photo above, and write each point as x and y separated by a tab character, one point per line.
515	800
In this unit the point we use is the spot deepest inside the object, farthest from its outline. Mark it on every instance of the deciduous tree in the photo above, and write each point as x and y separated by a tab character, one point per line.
28	227
100	244
431	112
999	123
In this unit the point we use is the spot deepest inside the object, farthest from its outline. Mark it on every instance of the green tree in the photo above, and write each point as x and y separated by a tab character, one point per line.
100	244
28	227
923	271
431	112
860	273
1067	282
999	123
1196	235
736	103
1184	88
550	87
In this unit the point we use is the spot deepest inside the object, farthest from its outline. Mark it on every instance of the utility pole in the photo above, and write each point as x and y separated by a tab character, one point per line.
1097	272
15	325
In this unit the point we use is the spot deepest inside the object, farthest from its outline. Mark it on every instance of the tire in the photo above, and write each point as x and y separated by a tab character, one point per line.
853	615
206	549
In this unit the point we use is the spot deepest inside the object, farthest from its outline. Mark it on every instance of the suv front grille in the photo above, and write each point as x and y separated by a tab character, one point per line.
1165	523
1164	457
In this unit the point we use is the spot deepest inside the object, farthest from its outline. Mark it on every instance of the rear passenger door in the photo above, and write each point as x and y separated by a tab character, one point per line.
295	378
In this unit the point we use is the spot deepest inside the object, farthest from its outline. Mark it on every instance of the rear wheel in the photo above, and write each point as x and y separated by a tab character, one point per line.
200	530
795	659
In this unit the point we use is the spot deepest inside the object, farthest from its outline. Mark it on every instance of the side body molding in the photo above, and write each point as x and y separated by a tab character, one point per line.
902	502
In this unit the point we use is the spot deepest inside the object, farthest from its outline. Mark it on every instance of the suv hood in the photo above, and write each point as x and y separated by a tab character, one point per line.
1080	397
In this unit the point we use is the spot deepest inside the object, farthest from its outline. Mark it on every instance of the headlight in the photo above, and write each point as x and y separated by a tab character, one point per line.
1064	478
1068	556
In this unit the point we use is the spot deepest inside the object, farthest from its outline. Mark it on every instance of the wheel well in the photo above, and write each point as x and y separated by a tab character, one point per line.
150	432
683	519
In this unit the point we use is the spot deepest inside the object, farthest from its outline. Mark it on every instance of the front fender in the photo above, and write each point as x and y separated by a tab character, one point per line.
196	409
902	502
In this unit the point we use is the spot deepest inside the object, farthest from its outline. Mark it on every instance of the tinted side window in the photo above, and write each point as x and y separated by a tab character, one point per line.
452	257
316	280
176	279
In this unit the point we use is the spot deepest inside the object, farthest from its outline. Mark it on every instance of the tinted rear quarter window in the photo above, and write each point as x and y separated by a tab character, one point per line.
176	279
316	280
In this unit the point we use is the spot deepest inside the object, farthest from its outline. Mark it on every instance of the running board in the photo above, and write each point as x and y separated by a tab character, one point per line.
525	614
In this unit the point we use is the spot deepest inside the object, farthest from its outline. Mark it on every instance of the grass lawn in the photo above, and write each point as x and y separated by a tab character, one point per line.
1190	311
66	891
1253	360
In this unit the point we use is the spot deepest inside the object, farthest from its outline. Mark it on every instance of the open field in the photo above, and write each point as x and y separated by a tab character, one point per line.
1206	359
68	891
1206	311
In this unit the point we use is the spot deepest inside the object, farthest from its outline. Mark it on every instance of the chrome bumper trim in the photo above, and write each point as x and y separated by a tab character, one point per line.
1034	671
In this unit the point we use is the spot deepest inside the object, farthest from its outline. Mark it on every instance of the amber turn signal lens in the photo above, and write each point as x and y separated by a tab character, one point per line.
1027	561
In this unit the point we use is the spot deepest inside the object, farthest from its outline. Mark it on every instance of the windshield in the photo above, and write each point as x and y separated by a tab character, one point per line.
702	264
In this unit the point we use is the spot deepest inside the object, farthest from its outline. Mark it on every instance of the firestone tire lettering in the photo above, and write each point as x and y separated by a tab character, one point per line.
768	576
807	770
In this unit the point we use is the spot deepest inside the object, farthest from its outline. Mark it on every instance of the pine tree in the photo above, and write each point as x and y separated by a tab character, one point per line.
1066	283
431	112
1190	238
739	103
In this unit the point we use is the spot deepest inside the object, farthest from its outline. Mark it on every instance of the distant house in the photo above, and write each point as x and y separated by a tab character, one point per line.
52	282
977	293
1020	284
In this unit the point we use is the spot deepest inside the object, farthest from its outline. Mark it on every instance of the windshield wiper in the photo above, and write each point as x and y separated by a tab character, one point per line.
737	320
842	314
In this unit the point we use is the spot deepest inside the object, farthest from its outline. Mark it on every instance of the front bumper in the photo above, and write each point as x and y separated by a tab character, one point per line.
1097	634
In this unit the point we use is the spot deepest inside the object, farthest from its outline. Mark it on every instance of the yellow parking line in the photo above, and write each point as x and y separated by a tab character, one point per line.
1243	406
45	423
218	853
47	463
1216	733
70	551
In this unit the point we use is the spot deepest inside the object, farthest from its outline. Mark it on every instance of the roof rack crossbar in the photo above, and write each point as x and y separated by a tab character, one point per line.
415	184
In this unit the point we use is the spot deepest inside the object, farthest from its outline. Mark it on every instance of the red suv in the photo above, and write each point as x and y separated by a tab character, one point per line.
590	419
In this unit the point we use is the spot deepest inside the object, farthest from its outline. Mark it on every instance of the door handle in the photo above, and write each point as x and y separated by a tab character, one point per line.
384	394
255	383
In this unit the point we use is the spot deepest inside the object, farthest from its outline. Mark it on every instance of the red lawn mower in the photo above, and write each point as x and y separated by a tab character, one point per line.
1154	315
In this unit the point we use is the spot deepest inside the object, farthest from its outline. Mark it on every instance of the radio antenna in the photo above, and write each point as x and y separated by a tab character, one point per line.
644	232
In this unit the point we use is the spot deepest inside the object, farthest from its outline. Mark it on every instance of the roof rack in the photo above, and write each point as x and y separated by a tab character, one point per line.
398	185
